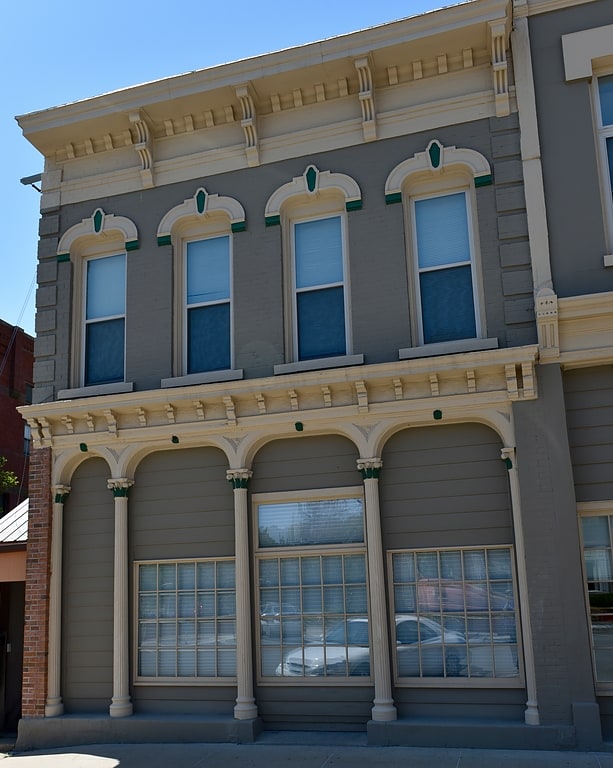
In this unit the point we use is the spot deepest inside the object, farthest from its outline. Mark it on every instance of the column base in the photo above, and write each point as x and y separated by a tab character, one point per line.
121	707
384	711
245	710
54	706
531	715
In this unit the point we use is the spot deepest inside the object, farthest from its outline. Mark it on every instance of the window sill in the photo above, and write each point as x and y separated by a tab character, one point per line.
116	388
608	260
320	364
447	348
209	377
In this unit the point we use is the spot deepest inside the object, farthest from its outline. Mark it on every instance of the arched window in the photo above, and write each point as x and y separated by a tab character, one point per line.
97	248
312	212
437	191
200	231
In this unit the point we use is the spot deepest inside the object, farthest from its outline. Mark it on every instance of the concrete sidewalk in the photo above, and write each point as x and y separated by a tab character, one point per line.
283	749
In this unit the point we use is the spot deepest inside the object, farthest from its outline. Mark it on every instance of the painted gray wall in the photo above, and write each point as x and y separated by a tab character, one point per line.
589	414
377	253
446	486
181	506
87	591
568	150
553	557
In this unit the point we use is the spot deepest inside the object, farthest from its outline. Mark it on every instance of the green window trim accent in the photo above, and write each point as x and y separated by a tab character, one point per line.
97	219
132	245
311	178
238	482
238	226
434	150
60	498
353	205
393	197
483	181
63	257
200	200
368	473
164	240
120	493
273	221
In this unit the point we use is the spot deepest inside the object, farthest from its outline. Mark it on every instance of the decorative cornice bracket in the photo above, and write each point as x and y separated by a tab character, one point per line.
143	145
499	38
363	66
546	311
245	95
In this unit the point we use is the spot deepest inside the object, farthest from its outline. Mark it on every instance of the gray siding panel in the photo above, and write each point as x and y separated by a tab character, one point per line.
589	414
87	600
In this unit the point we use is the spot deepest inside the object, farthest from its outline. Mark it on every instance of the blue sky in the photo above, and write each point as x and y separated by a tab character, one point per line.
56	52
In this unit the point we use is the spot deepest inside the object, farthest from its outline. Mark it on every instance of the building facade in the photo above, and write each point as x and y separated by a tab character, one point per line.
302	375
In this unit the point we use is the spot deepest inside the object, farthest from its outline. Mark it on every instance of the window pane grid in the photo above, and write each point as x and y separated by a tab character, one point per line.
314	616
455	613
186	620
598	563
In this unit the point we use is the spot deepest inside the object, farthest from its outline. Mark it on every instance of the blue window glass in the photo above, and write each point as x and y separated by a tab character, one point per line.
208	305
320	297
208	338
105	304
445	270
321	323
605	92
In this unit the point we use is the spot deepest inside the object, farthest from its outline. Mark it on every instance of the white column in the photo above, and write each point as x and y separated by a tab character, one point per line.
245	708
121	705
54	705
383	704
531	714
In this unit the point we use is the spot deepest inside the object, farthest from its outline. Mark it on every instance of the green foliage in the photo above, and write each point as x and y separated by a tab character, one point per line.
8	479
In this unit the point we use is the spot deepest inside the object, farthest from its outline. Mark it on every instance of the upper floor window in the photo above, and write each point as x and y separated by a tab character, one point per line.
437	190
207	303
605	131
105	319
444	268
312	212
98	248
201	231
320	326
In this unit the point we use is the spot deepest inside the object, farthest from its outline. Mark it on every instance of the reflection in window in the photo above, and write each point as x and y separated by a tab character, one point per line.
605	97
597	559
186	619
313	604
455	613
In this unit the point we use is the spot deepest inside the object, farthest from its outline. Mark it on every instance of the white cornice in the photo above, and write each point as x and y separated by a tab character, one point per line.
586	330
487	378
535	7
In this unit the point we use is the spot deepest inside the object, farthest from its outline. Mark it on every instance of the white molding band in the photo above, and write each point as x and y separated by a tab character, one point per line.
311	183
581	49
421	162
99	224
199	206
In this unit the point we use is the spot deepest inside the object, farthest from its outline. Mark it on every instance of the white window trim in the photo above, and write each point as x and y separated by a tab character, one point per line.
456	682
603	132
230	300
319	494
415	281
171	681
592	509
199	217
295	291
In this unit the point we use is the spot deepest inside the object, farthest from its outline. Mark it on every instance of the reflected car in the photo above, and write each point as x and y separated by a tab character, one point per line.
346	653
272	621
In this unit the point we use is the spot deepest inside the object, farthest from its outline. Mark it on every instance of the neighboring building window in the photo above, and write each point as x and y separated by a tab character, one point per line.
605	130
208	320
320	309
105	310
312	588
186	620
27	439
445	290
455	616
598	562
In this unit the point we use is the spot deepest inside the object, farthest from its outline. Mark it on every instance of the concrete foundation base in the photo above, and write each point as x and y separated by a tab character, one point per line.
70	730
470	734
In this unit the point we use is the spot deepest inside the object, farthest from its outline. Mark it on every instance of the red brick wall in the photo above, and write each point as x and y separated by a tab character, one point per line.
36	630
